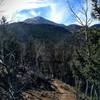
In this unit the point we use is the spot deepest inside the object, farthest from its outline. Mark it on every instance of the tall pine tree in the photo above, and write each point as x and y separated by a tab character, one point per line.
96	9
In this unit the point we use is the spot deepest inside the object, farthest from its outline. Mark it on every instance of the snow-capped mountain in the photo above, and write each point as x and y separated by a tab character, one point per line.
39	20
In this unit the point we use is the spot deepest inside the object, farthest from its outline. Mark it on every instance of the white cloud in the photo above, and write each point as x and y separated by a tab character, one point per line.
19	17
57	14
59	11
34	13
10	7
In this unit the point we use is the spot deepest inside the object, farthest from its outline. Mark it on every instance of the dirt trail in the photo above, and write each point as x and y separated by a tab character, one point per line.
61	91
64	94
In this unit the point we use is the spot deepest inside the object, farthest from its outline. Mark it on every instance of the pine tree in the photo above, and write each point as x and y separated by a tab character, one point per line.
96	9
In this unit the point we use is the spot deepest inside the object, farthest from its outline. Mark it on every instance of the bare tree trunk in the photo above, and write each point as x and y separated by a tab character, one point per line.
99	91
2	51
86	90
77	85
96	95
37	63
91	92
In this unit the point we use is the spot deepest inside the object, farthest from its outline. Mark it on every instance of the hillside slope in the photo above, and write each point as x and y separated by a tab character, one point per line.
37	31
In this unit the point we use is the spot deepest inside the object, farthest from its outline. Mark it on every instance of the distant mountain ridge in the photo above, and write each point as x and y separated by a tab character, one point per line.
96	25
41	28
73	27
37	31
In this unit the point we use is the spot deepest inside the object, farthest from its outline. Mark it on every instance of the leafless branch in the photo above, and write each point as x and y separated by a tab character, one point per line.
74	14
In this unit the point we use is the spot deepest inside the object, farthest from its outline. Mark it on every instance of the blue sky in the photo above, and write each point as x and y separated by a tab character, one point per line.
54	10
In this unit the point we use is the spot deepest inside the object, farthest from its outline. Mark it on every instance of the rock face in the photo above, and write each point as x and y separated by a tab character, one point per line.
61	91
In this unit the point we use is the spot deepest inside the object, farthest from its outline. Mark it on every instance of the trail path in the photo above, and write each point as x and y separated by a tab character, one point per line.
64	94
61	91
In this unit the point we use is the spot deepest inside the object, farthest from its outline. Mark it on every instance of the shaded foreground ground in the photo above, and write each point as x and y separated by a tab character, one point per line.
61	92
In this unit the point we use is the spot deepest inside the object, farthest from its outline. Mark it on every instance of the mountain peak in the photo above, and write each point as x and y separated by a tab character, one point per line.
39	20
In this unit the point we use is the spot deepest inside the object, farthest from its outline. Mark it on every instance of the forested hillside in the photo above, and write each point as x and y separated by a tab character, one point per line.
33	54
